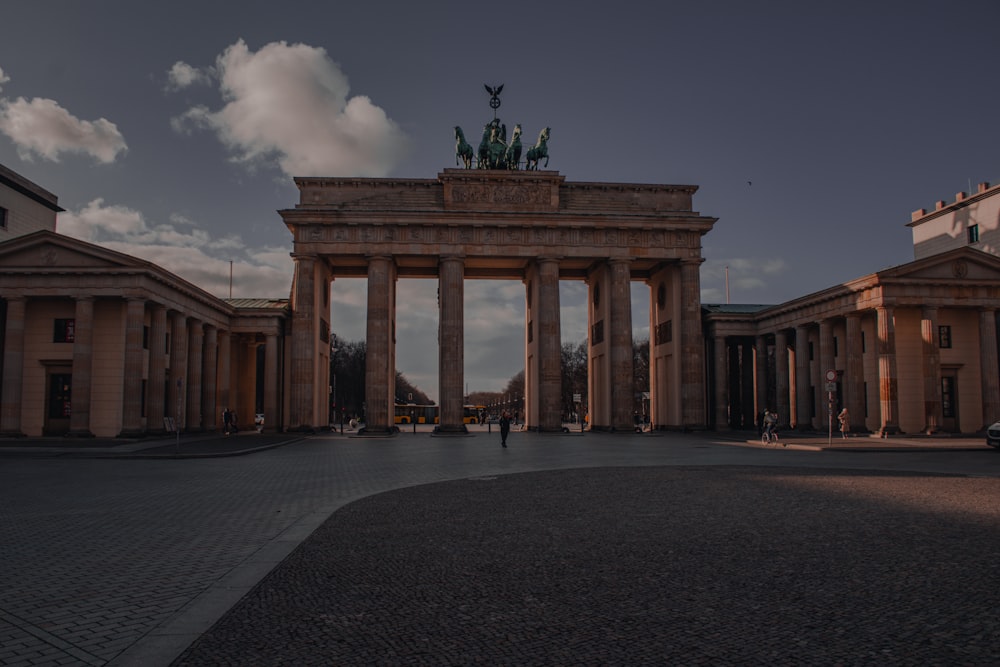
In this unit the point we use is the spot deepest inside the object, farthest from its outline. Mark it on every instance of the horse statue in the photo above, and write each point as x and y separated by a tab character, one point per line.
513	155
493	147
538	151
463	149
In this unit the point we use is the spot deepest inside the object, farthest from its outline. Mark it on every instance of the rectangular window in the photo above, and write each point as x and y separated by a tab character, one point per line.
3	218
944	337
64	331
973	233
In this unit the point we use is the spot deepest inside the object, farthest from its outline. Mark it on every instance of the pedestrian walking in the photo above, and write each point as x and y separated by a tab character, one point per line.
845	423
504	428
227	420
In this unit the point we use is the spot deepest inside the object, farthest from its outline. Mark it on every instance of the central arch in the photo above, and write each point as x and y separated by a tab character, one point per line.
529	226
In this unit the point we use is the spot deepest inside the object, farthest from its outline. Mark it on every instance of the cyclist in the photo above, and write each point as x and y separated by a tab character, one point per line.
770	424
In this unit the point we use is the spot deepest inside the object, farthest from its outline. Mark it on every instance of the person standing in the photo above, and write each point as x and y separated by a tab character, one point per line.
845	422
504	428
227	420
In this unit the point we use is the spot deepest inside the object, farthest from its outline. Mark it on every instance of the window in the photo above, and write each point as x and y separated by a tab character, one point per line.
64	331
3	218
944	337
973	233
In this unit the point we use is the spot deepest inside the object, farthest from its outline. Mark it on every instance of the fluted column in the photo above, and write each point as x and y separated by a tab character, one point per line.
803	406
721	382
271	384
546	317
887	377
989	365
13	368
210	368
622	373
303	350
781	378
177	386
760	375
692	348
451	343
824	406
135	311
196	337
225	371
157	369
854	374
380	367
83	365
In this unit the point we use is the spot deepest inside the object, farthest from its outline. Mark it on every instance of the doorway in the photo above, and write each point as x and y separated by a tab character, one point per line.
949	401
58	402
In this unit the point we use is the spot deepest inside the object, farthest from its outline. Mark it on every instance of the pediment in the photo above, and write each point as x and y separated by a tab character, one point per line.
43	250
961	264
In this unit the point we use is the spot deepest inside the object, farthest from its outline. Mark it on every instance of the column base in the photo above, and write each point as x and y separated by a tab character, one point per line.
378	431
450	429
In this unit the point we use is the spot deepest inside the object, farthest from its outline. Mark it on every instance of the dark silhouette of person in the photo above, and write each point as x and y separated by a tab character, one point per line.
504	428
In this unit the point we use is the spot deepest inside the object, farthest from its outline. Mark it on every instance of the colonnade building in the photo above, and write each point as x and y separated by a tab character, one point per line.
99	343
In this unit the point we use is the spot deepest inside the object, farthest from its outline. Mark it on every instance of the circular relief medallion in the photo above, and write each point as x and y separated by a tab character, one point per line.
960	268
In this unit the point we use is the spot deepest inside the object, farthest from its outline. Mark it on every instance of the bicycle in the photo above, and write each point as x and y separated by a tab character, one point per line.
767	437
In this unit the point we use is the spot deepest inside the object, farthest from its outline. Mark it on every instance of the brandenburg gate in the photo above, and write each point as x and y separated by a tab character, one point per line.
531	226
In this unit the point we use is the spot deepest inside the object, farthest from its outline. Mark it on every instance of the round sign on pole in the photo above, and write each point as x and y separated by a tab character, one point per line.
831	375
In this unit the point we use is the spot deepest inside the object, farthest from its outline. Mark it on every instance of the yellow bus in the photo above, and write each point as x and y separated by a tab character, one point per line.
409	413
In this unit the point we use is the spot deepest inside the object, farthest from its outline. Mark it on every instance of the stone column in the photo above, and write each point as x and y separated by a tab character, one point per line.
13	368
157	369
178	383
803	406
827	362
622	378
887	377
989	365
271	383
760	375
692	350
854	374
303	352
380	365
196	339
933	413
721	383
210	369
781	378
225	370
135	311
83	365
546	322
451	343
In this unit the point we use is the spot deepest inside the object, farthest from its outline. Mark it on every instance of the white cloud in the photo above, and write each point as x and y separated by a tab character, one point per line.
42	127
3	78
182	75
190	252
291	103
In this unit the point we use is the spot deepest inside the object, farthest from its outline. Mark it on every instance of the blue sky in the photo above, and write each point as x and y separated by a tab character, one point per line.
171	131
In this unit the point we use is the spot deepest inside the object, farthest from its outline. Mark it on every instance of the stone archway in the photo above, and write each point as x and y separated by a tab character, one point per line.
529	226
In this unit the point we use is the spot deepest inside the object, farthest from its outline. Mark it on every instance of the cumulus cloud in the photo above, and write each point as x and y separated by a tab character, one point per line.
3	78
42	127
184	249
291	103
747	276
182	75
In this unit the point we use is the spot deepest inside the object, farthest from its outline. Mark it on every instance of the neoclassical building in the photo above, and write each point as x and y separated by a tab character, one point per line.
99	343
910	349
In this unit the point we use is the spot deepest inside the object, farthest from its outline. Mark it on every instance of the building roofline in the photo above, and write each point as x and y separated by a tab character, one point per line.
32	191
